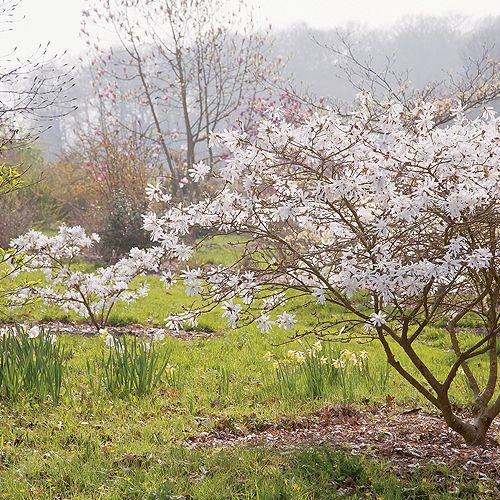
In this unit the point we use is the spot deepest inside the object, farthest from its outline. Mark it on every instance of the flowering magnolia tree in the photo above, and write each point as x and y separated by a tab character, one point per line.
380	213
91	295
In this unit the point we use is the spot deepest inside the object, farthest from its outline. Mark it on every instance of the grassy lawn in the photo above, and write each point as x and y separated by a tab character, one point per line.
92	445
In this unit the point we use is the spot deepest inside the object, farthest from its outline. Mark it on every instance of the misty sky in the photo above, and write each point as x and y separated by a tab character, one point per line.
58	21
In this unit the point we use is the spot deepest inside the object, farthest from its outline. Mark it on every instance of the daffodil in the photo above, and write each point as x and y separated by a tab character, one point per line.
346	354
317	346
170	369
33	332
299	357
355	360
268	356
338	363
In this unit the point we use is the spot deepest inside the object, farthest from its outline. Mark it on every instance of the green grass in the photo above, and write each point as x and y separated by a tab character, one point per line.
95	445
79	448
90	471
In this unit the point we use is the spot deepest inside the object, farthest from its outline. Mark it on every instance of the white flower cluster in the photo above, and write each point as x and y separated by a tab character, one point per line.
91	295
381	201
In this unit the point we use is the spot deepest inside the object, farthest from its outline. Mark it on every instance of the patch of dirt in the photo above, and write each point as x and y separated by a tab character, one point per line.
134	329
407	440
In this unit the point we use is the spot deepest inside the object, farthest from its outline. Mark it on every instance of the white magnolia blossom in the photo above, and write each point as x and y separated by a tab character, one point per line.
264	323
191	278
91	295
286	320
381	202
378	319
155	192
199	171
231	312
168	279
178	321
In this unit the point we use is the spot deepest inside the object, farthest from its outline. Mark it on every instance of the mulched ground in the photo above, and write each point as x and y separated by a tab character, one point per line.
135	329
407	440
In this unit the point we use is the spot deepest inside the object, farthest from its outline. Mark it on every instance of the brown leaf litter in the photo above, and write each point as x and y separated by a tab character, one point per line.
407	440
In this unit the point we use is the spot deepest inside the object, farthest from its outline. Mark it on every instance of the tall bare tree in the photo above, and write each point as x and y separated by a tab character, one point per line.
475	84
191	64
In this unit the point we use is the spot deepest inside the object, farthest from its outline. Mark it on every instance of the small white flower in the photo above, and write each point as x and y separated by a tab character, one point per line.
378	319
158	336
33	332
286	320
479	258
231	312
168	279
154	191
320	295
381	228
264	323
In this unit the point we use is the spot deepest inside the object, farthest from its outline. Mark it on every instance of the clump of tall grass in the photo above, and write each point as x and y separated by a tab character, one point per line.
31	363
320	370
130	367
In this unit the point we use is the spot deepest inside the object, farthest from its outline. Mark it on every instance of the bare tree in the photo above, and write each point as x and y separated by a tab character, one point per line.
476	84
29	89
192	64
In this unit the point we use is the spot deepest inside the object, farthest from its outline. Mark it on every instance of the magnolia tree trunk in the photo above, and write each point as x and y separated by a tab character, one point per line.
473	433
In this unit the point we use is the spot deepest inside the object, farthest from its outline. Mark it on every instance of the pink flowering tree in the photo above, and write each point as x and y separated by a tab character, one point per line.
91	295
379	213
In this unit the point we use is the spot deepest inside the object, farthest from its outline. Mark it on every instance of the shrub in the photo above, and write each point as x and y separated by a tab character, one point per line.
110	168
91	295
23	192
123	230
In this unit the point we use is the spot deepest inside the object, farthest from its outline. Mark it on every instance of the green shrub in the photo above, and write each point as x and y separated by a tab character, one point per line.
123	228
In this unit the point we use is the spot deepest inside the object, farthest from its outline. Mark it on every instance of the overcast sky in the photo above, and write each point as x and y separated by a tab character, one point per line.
58	21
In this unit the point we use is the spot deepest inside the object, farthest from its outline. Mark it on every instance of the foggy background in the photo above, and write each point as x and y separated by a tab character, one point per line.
428	39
